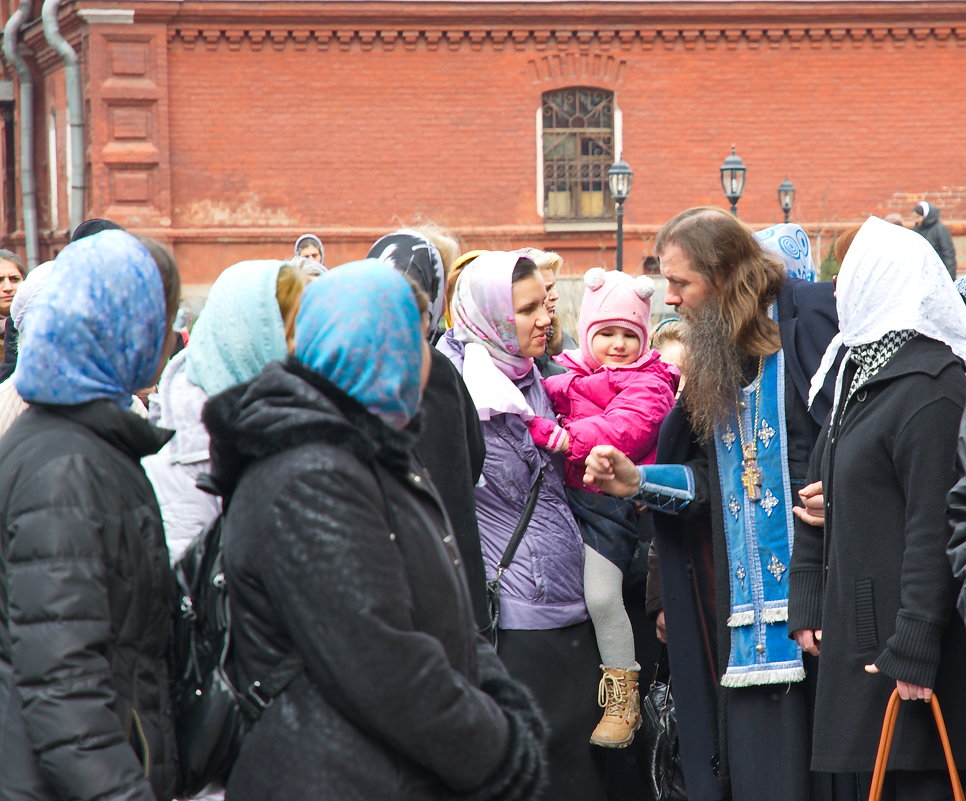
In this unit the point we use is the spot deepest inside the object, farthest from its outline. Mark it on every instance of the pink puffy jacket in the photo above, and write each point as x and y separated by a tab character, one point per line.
619	406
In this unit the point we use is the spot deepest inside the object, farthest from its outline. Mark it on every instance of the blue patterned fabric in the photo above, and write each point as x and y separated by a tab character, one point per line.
759	536
360	328
667	488
239	330
791	244
98	328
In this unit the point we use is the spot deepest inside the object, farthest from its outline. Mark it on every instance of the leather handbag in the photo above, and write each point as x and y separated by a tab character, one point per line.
658	754
211	715
493	584
885	746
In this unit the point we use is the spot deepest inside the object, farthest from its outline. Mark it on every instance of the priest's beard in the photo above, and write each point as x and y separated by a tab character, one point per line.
714	366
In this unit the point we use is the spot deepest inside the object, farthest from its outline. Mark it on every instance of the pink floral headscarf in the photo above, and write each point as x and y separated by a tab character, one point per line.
482	310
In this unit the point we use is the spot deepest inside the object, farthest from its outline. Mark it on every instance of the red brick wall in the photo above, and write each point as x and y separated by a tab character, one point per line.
345	120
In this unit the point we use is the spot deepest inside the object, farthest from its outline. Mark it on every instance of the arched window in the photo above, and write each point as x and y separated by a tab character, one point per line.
578	149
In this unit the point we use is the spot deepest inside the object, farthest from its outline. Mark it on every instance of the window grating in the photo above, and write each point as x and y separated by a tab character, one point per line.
578	149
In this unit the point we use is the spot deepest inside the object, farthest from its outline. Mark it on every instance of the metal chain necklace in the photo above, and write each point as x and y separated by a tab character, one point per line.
751	473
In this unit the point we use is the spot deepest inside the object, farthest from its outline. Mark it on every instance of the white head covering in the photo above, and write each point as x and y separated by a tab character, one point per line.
35	281
305	238
893	280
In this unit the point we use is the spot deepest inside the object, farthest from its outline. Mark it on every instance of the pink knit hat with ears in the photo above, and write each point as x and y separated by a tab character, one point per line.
613	298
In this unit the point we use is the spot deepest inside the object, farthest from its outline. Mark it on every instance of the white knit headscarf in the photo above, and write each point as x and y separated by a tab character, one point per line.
891	280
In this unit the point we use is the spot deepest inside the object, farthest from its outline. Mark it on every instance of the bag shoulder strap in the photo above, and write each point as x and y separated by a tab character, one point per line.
885	746
521	527
260	694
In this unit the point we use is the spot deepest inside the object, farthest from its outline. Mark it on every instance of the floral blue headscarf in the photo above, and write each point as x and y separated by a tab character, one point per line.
359	327
98	328
239	330
790	243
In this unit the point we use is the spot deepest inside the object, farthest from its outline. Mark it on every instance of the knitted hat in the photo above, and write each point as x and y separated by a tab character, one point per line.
613	298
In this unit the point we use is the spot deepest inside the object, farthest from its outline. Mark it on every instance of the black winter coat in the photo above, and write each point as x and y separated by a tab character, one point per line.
86	618
450	445
956	512
337	548
878	584
11	342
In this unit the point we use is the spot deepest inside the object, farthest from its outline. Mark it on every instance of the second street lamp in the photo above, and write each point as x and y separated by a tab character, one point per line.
786	196
733	179
619	179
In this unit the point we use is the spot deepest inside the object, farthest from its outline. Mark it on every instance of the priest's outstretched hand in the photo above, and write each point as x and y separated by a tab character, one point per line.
612	472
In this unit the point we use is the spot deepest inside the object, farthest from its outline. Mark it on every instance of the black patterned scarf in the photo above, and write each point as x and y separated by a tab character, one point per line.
873	356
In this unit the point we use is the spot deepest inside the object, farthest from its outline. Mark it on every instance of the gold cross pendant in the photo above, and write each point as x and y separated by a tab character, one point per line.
751	478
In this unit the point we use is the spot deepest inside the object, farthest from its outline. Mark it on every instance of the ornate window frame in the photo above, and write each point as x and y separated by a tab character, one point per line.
578	136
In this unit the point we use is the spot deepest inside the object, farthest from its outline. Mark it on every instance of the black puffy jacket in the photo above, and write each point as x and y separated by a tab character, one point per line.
84	709
336	547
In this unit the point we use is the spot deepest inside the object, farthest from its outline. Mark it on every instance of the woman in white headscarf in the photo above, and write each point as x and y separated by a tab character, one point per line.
11	404
872	594
309	246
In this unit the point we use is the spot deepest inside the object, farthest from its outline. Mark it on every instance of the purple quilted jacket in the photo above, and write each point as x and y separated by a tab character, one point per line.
543	589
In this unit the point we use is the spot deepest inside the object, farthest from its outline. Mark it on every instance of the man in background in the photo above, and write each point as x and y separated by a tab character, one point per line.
936	234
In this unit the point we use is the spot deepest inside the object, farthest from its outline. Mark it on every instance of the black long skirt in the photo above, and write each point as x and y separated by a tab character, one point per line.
769	732
911	785
562	669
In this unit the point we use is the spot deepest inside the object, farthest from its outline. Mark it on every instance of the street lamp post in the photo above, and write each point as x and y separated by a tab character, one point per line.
733	179
786	196
619	178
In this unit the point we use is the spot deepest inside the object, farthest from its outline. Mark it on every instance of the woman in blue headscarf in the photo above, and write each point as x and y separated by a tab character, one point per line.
338	552
791	245
84	611
248	321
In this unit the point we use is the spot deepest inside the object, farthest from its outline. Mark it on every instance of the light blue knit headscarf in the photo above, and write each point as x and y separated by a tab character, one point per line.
360	328
790	243
98	328
239	330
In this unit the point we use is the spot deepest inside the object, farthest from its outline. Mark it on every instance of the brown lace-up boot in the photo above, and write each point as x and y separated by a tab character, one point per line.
618	695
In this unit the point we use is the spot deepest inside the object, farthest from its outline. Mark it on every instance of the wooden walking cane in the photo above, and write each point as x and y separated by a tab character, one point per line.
885	745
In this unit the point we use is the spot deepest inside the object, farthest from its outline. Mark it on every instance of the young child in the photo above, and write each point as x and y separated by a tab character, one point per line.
617	392
667	338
